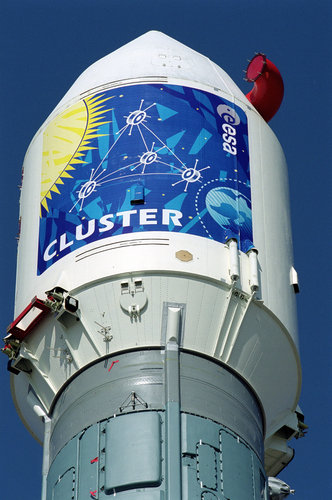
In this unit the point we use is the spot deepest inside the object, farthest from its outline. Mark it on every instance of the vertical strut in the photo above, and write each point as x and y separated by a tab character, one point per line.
172	406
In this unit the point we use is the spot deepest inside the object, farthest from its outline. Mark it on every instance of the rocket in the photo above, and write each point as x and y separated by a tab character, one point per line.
154	351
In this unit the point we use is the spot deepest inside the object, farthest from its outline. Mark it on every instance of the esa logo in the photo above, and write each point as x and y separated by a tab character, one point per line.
231	120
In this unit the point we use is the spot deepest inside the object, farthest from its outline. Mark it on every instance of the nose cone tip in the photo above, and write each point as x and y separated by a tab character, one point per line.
154	36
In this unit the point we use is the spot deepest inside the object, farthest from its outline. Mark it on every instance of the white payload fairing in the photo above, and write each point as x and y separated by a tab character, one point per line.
155	349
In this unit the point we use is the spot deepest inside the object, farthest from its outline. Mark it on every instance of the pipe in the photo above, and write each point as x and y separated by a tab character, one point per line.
46	455
268	90
41	413
234	269
254	277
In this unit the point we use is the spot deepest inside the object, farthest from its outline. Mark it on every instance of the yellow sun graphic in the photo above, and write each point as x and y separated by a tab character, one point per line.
66	140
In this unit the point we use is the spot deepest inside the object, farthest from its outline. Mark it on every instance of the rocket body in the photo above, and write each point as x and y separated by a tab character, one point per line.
155	217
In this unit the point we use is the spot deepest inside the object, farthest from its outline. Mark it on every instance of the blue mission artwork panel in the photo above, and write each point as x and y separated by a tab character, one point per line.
144	158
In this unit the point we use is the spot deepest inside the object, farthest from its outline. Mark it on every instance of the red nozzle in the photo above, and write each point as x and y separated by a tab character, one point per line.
268	90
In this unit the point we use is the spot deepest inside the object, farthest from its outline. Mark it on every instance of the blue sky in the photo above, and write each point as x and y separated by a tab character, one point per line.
45	45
